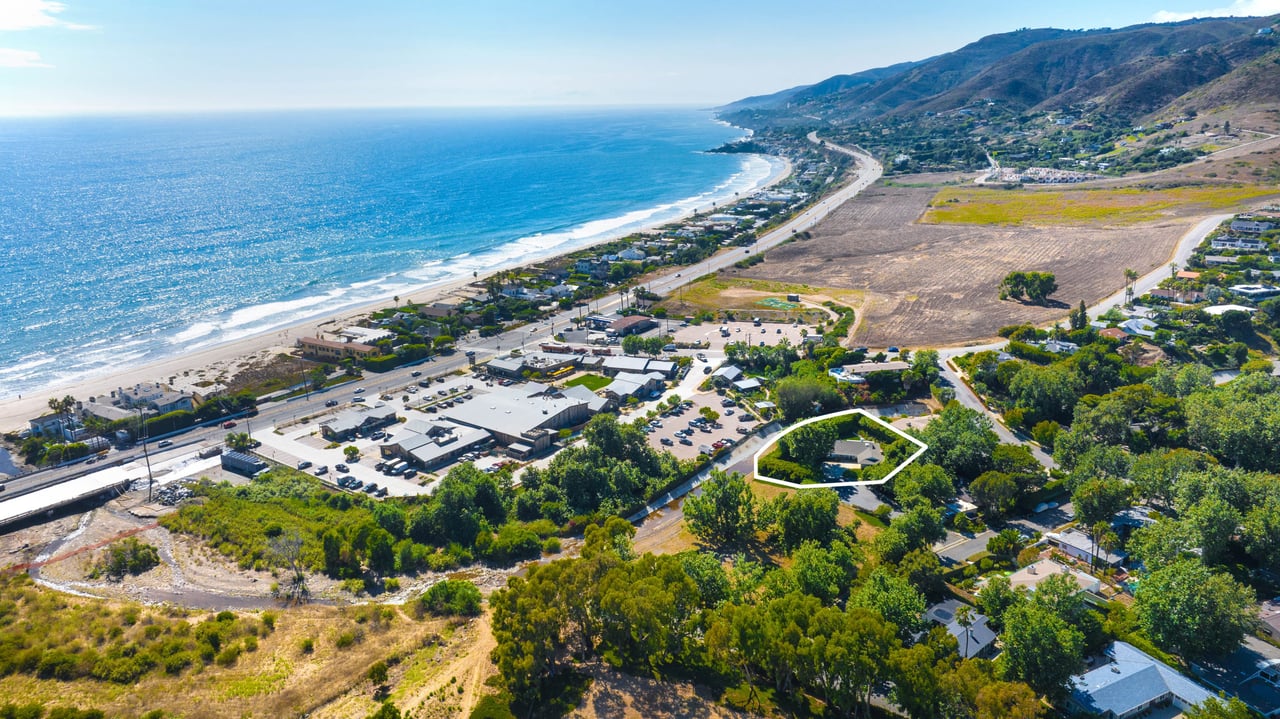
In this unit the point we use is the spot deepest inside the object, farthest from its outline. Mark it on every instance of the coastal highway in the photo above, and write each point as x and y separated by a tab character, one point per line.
867	171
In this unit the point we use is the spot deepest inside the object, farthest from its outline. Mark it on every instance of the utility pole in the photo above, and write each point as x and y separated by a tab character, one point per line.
142	429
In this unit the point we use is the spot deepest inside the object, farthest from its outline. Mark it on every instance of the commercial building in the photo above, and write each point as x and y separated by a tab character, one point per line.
350	423
523	418
631	325
612	366
430	443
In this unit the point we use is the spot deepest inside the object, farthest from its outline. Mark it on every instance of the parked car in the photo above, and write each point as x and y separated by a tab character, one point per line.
686	440
303	464
667	441
322	469
341	467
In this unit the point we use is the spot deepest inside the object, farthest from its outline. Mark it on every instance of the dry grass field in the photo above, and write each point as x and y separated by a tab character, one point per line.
277	679
1083	207
757	298
935	284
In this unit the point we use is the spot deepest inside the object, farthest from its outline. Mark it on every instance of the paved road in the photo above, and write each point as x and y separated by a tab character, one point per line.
272	413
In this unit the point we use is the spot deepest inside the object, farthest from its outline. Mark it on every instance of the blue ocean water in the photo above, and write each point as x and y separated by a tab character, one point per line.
127	239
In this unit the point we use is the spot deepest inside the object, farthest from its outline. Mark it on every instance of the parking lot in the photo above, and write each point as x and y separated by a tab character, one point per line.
694	431
769	333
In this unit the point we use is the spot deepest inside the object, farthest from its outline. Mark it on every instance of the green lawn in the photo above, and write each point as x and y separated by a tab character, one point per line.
592	382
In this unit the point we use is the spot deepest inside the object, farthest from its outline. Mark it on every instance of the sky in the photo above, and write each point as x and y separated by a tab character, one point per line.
138	56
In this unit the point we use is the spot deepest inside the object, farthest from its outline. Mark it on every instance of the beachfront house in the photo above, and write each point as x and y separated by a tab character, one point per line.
322	350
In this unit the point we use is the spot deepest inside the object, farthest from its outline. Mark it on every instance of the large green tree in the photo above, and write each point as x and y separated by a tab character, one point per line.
960	441
1041	649
807	515
724	513
810	444
1189	609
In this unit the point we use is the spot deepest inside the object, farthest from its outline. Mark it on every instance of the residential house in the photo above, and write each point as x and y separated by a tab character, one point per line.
324	350
1252	227
1243	244
1030	576
1219	310
1075	543
443	307
1114	333
858	451
1188	297
1131	684
632	254
48	425
152	396
592	267
562	290
1139	327
1060	347
1250	673
1214	260
1187	275
750	384
977	640
365	335
1255	292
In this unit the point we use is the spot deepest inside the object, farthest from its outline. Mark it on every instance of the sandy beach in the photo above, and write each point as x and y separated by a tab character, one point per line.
228	358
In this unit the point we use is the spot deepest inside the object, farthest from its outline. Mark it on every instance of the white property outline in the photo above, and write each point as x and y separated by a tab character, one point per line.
755	460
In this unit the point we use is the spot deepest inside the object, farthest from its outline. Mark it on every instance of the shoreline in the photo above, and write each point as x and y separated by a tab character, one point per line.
232	355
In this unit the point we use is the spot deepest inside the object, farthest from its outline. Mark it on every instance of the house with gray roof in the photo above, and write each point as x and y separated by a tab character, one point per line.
1246	673
1132	683
727	374
976	640
859	451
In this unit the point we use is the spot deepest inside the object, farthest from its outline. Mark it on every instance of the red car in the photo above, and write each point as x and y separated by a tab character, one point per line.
228	424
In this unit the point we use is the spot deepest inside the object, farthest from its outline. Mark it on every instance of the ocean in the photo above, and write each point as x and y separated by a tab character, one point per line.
124	240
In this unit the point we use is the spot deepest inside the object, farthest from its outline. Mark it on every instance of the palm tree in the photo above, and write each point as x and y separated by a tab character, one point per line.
964	617
63	407
1130	276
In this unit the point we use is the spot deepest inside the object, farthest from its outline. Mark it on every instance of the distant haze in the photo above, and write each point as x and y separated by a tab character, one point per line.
76	56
